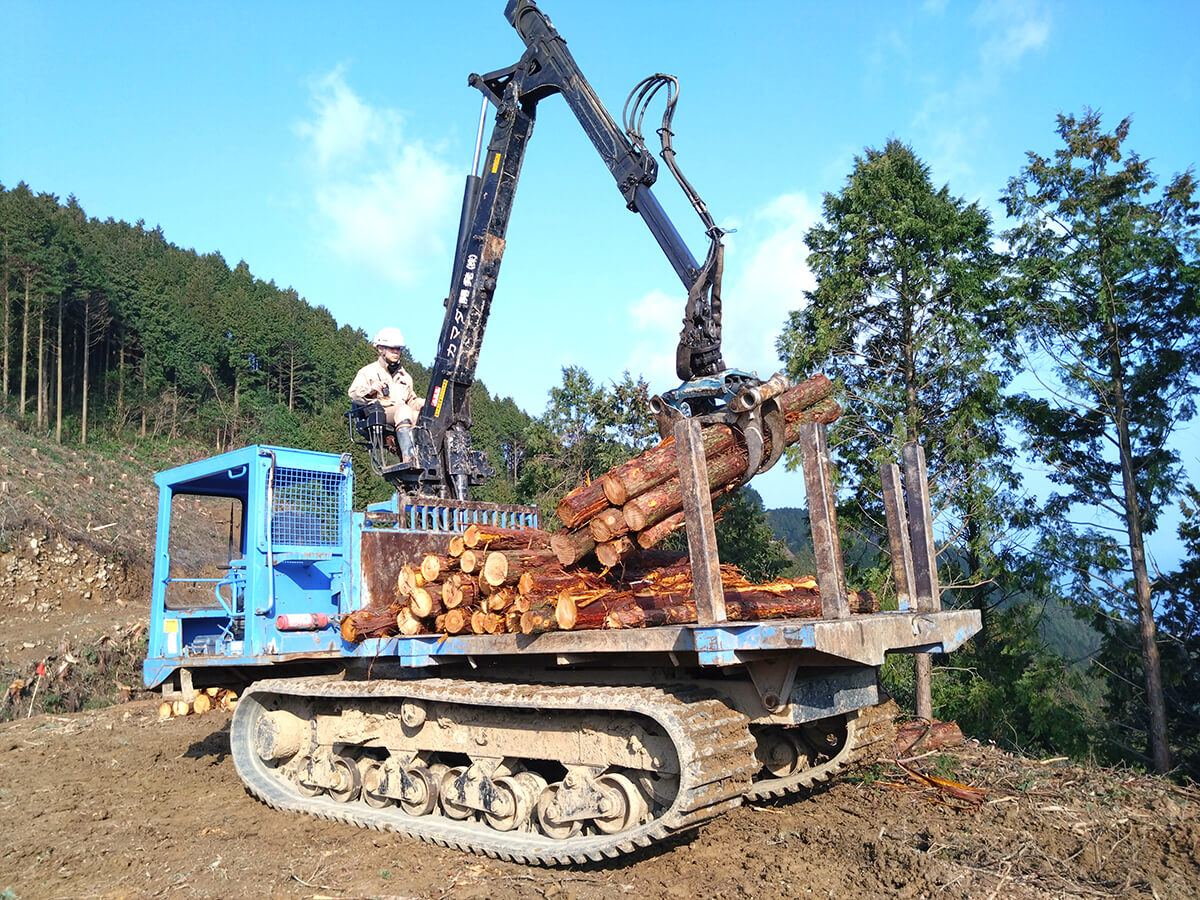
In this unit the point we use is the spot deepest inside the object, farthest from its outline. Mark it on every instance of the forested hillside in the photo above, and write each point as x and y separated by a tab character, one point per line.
112	332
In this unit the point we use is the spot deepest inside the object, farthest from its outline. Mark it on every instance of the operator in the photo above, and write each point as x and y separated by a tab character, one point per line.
386	382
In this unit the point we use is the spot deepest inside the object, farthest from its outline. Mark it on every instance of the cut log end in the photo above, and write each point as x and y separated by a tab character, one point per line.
572	546
495	569
612	552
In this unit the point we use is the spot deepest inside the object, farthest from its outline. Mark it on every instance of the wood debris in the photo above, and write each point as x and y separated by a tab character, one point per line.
201	702
924	736
967	794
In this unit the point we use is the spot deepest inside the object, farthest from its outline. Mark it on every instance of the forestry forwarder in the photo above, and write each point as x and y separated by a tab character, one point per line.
565	746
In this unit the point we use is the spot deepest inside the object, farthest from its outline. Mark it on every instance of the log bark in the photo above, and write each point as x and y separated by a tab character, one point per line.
922	736
638	475
642	473
494	537
655	533
581	504
636	617
658	512
824	413
572	546
552	580
593	615
655	562
659	502
573	613
371	622
752	605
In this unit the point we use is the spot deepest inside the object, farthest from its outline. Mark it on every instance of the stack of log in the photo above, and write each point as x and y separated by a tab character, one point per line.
200	703
493	580
496	580
638	503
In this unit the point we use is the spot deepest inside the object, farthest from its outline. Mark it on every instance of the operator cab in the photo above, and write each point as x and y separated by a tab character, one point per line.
246	542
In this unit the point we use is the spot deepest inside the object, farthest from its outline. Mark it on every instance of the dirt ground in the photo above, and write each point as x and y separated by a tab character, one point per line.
118	803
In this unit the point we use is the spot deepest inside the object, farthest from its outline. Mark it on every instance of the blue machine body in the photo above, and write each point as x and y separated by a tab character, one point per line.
259	552
257	536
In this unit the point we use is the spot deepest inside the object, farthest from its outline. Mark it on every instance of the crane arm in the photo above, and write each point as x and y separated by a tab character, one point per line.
443	462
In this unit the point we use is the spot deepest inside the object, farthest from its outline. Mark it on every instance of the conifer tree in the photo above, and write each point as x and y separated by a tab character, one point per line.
1106	270
908	317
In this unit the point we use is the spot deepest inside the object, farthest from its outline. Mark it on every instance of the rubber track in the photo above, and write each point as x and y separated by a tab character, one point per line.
866	734
712	743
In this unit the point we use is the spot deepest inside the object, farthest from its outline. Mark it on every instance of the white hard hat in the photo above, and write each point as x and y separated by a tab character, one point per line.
389	337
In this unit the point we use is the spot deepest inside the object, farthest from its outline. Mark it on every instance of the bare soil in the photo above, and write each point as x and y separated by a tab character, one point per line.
111	801
116	802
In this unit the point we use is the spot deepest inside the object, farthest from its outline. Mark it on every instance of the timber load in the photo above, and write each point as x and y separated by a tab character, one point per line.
599	571
638	503
525	589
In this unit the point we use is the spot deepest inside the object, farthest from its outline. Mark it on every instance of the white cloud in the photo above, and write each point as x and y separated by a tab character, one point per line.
1015	27
954	117
770	276
765	278
384	200
655	319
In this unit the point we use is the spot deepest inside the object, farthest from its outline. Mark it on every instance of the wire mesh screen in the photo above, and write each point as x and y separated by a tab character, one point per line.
307	507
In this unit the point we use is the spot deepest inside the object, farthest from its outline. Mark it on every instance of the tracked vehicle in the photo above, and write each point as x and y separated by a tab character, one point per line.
560	747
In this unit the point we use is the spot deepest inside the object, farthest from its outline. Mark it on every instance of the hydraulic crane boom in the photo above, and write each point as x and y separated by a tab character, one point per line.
443	462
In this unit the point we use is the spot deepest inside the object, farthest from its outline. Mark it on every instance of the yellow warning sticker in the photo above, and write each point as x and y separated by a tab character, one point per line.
170	626
496	164
441	396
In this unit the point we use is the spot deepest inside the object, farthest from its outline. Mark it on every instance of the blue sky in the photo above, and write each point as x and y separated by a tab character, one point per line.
326	145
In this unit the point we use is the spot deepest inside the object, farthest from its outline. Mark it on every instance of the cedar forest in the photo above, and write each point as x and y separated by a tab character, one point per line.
1075	349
